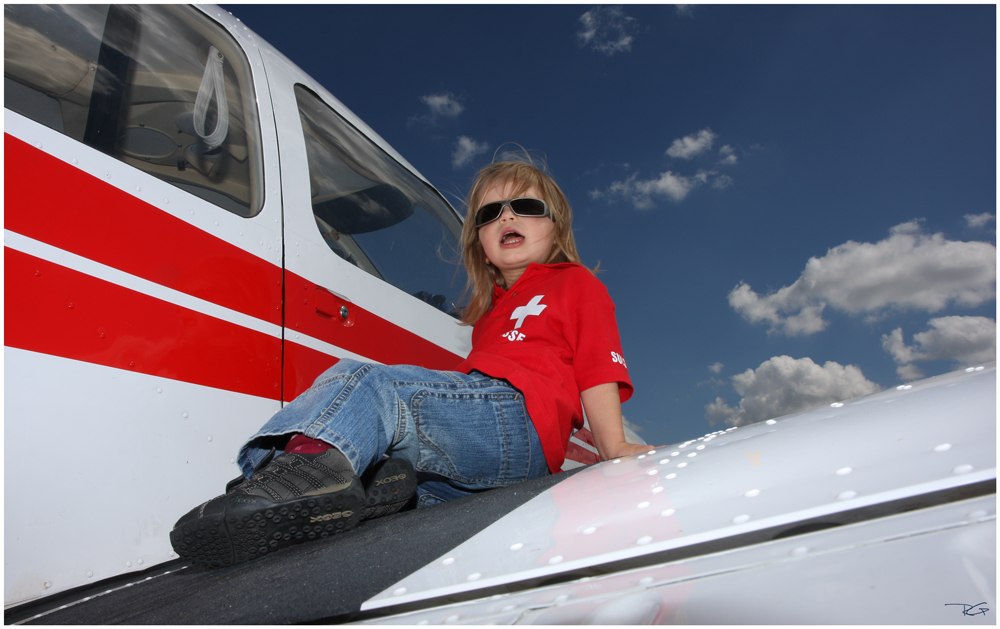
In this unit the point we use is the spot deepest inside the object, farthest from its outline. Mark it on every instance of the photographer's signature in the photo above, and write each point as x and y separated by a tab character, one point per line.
971	610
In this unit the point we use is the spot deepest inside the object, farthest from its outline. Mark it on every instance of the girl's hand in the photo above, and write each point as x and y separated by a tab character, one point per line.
626	449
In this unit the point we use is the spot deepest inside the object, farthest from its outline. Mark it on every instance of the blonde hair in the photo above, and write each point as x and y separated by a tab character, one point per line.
520	176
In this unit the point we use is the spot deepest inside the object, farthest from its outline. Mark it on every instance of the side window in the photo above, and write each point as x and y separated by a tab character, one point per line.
375	214
159	87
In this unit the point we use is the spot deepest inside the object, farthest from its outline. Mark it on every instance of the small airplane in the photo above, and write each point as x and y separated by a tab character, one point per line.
195	229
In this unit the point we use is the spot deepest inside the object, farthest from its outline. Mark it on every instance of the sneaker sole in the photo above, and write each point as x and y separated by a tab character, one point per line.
247	531
388	488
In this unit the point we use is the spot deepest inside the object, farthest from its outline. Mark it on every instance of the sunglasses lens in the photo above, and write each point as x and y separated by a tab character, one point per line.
487	213
522	207
528	207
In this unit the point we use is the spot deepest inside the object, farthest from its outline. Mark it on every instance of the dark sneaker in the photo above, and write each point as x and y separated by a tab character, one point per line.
389	485
292	499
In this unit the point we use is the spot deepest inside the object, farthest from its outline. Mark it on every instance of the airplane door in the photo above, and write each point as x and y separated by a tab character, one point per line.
372	262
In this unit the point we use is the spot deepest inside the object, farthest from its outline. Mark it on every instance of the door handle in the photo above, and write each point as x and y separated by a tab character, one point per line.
333	306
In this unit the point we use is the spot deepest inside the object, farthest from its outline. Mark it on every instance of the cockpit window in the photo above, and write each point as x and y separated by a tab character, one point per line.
377	215
159	87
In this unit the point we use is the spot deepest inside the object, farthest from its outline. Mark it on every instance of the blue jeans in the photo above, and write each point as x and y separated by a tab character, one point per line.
462	433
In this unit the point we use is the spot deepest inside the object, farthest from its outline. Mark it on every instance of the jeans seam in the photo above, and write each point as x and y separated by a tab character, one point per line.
452	472
345	393
451	386
506	444
401	422
529	427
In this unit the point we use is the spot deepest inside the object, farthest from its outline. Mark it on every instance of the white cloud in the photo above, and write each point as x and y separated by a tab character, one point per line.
785	385
691	145
909	372
443	105
716	368
722	181
979	220
671	185
607	30
465	149
908	270
727	155
642	193
964	340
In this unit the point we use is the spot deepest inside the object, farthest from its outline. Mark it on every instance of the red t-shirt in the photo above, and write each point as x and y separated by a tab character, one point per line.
552	335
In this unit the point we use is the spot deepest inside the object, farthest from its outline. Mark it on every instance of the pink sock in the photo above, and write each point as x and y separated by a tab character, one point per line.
302	444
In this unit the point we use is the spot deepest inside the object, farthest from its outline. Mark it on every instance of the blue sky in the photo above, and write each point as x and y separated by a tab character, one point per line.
791	205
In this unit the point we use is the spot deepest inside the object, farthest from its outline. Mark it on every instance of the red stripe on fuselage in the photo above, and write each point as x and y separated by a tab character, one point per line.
585	436
55	310
576	452
314	311
56	203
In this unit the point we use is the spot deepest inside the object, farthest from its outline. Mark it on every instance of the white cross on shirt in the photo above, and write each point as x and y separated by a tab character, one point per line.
532	308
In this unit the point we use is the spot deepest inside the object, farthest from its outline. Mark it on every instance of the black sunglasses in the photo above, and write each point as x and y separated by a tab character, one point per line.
524	206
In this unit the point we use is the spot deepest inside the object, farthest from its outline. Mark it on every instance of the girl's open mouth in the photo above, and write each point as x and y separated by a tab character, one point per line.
510	237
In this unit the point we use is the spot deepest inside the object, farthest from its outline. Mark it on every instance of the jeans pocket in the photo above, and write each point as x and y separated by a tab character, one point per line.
478	439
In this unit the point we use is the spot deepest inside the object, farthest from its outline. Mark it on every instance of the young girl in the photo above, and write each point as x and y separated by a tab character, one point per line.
544	339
